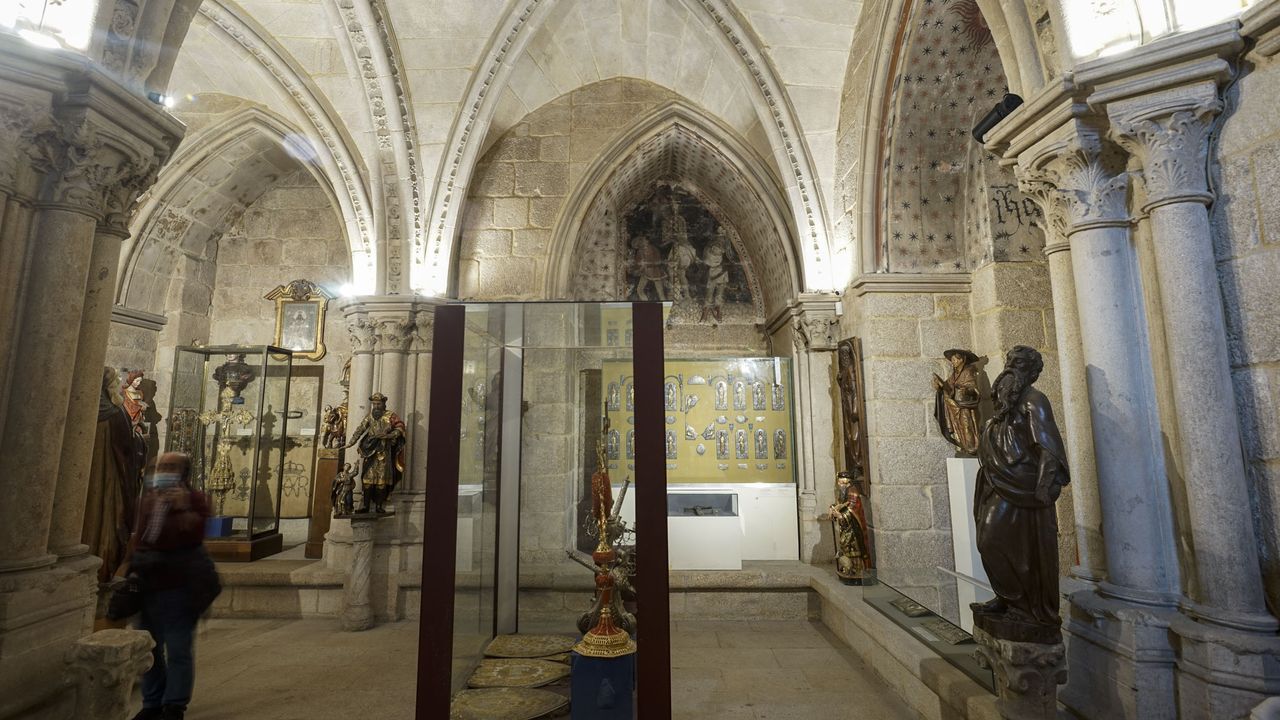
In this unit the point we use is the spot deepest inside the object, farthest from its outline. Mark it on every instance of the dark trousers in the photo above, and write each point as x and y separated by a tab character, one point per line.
166	614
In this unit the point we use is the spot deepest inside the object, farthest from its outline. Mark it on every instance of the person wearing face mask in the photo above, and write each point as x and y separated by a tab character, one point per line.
177	582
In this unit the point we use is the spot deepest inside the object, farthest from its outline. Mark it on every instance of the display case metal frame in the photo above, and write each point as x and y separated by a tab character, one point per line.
254	544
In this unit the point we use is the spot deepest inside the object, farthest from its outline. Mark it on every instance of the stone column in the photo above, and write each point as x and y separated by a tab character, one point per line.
80	137
1137	524
1074	413
393	338
813	327
17	127
420	370
103	667
385	339
357	612
86	383
50	327
1228	642
1168	133
1027	675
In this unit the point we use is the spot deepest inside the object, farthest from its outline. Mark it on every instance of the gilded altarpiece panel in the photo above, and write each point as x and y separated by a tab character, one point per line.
728	420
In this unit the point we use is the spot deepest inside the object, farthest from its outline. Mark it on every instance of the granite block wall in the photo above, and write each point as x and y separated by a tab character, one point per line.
1246	227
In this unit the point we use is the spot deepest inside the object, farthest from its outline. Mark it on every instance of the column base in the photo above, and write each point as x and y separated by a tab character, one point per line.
42	613
1223	672
397	556
1121	658
1027	675
104	667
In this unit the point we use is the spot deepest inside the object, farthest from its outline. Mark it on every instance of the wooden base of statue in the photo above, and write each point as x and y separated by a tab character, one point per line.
1027	675
327	461
857	577
245	550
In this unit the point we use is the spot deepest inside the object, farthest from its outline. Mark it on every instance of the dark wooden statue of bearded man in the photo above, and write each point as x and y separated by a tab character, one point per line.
1023	469
381	438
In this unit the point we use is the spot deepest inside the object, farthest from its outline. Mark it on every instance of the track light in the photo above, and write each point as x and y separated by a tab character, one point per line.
1008	104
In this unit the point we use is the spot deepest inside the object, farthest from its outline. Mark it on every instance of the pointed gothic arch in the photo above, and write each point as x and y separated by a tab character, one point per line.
200	193
749	190
433	264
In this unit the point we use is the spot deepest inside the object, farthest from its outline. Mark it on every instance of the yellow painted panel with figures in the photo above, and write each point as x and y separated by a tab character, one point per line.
727	420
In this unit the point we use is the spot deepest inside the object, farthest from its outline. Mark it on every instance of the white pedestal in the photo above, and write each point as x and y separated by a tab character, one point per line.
704	543
972	585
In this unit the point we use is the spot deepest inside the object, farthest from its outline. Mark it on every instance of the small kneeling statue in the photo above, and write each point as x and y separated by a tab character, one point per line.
1023	469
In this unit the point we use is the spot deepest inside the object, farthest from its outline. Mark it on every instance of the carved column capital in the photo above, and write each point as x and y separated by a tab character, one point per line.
1087	173
363	333
1027	675
813	332
424	327
1171	141
19	125
120	200
394	334
79	167
1052	203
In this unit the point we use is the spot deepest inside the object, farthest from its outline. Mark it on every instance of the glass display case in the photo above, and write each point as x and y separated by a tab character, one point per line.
517	424
229	410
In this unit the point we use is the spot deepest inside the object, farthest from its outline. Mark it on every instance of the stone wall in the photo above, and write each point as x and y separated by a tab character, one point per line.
290	232
903	337
1246	224
521	183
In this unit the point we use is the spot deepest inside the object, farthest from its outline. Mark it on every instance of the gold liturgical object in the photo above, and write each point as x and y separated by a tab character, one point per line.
605	640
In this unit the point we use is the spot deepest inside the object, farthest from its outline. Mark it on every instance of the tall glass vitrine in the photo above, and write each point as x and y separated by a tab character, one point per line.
229	411
516	422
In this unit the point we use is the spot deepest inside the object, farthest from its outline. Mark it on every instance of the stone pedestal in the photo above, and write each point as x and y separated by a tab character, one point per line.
103	667
357	611
1027	675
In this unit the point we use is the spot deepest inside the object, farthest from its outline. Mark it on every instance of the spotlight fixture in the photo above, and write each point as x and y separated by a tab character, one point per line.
161	99
1008	104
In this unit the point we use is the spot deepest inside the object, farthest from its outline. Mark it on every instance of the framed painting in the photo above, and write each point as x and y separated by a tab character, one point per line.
300	314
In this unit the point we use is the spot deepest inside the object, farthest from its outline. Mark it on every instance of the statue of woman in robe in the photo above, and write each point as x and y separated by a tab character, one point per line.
115	479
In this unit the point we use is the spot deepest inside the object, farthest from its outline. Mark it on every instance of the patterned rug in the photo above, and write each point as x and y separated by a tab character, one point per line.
529	646
505	704
516	673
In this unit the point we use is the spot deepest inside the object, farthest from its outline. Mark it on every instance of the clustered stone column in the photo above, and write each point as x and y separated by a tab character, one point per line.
813	328
390	340
1226	631
1092	563
75	152
1179	636
1138	531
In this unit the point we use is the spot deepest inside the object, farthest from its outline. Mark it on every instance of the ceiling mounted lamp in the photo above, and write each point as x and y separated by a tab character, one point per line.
51	23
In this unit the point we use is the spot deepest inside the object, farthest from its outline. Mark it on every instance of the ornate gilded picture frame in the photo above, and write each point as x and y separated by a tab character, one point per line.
300	312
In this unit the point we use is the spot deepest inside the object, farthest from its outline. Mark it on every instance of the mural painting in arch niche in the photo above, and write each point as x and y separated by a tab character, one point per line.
676	249
1002	224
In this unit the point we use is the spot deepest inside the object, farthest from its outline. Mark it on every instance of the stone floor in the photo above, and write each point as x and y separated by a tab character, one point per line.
774	670
305	669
